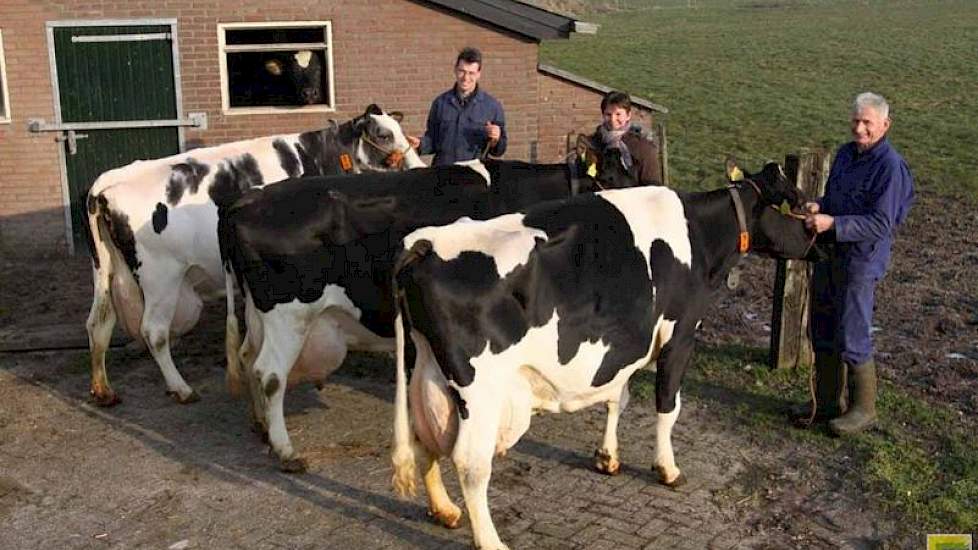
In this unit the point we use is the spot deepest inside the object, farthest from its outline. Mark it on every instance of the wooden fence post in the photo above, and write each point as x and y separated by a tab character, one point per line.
791	344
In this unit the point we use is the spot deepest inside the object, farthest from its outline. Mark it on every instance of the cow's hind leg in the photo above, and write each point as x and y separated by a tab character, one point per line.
162	296
101	321
606	458
474	449
281	347
440	505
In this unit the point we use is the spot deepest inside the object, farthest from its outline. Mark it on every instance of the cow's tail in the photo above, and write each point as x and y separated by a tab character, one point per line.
232	335
402	453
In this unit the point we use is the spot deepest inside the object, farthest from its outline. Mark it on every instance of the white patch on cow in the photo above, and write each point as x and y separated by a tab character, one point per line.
505	239
302	58
654	213
479	168
568	384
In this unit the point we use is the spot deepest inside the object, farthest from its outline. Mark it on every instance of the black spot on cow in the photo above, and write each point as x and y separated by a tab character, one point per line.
121	234
463	410
160	218
184	177
318	151
233	178
287	158
271	386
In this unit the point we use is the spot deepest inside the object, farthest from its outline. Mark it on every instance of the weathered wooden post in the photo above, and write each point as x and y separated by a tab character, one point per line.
791	345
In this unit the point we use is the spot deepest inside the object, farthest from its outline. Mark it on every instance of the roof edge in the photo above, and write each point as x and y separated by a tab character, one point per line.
550	70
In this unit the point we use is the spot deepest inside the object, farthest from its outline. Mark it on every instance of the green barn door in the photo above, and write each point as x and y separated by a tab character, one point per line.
116	89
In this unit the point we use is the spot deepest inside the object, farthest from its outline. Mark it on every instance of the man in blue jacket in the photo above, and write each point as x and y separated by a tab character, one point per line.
868	194
465	122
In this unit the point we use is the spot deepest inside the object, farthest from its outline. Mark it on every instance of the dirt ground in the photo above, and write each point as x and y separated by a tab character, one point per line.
152	474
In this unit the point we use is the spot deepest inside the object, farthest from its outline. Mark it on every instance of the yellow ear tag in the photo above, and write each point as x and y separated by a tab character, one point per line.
785	208
735	174
592	170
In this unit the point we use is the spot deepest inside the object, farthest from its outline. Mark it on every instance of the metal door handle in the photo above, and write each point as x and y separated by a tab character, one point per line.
72	138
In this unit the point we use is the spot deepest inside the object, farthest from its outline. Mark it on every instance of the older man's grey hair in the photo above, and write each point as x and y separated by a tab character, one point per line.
869	99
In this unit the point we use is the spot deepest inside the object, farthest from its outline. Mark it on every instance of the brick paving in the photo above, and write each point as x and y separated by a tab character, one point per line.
150	473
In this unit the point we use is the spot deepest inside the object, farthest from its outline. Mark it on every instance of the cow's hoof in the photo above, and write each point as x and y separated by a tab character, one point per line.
450	518
192	397
605	463
105	399
674	484
295	465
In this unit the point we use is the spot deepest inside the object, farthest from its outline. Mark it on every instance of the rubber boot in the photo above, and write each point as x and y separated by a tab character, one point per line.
862	396
829	394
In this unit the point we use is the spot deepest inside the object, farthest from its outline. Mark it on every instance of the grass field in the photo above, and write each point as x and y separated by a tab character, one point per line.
762	78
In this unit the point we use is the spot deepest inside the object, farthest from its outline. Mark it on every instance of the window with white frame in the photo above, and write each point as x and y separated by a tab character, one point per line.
4	96
268	67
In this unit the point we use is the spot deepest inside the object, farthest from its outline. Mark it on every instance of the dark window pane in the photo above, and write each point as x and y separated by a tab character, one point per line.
283	35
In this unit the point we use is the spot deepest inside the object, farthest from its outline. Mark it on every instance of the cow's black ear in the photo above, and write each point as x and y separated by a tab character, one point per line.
373	109
396	115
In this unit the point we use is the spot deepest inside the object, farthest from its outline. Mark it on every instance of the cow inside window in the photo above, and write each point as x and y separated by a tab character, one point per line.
276	66
4	96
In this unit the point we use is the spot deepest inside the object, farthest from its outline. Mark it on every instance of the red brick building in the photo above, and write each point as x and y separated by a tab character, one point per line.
76	76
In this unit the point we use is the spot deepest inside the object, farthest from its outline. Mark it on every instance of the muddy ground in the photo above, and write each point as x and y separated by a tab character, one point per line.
152	474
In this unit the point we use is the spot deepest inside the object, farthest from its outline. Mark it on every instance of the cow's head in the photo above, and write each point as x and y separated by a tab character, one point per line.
779	228
381	144
304	70
604	166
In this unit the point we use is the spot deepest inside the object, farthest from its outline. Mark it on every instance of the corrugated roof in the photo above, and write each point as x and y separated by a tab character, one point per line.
518	17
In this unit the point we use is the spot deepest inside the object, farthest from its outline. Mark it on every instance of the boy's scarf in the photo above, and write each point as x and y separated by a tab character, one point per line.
611	139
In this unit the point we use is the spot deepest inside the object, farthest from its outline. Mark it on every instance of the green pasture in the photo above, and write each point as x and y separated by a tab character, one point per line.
763	78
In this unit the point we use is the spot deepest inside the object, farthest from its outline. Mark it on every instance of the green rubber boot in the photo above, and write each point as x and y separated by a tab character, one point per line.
829	394
862	396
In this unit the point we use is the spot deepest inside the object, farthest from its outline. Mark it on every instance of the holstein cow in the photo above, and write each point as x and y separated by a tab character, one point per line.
153	228
313	258
553	310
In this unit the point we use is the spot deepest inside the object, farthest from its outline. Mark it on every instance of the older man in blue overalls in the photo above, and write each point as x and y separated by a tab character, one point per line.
868	194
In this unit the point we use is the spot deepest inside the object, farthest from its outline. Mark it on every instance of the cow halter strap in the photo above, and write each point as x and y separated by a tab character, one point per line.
743	239
395	157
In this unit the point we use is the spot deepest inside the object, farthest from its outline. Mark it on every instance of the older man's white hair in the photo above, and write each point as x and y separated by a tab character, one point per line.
875	101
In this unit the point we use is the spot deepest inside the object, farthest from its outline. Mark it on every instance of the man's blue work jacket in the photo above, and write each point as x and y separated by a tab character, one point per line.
869	194
456	132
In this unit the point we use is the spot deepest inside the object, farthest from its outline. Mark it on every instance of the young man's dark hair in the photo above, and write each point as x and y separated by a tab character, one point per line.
618	99
470	55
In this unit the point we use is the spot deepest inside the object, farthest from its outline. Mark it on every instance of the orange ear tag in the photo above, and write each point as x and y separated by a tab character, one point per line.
743	243
346	163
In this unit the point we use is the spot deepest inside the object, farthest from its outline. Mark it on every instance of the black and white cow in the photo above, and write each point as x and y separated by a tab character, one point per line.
313	258
289	78
153	228
553	310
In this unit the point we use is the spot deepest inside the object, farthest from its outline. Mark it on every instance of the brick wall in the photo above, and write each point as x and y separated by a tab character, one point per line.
396	53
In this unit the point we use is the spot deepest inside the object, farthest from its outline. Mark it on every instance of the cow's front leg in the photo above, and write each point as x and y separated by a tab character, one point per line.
606	458
665	460
158	311
671	366
281	346
472	455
